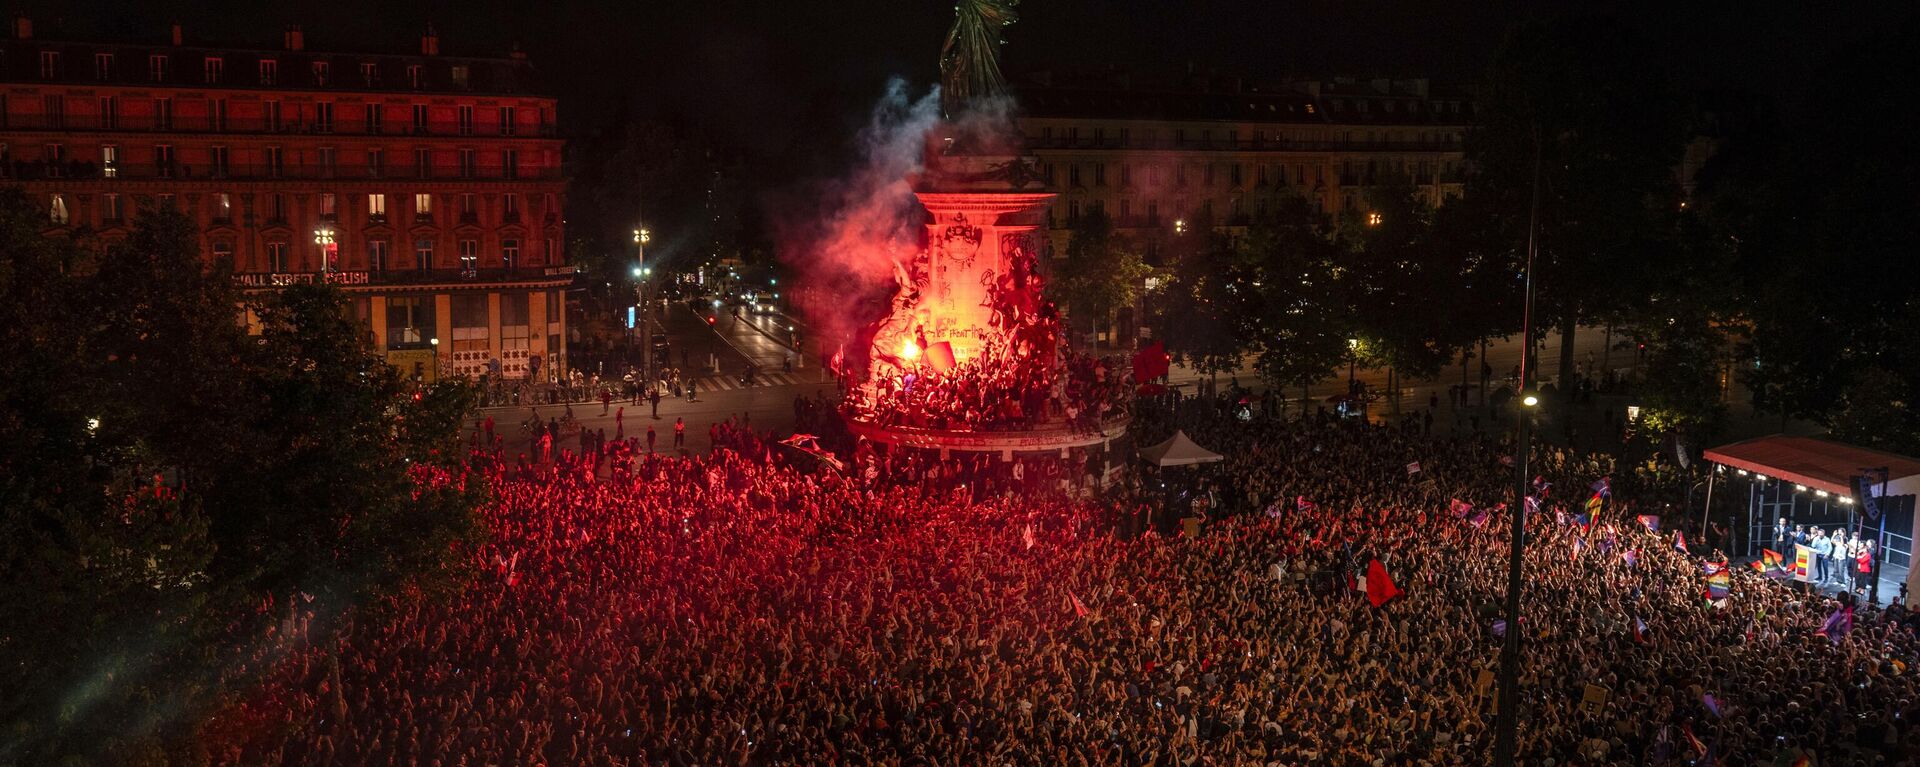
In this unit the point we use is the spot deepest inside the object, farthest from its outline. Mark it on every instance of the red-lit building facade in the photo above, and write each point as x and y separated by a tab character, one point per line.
428	187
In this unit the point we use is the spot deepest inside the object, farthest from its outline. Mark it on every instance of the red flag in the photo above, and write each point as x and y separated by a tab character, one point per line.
1150	362
1380	588
1079	609
940	356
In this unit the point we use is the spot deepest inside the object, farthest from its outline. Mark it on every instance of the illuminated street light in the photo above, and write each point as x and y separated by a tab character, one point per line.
642	236
1530	400
1179	226
1374	218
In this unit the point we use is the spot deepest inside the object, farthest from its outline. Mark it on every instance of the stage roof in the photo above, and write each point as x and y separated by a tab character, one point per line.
1817	463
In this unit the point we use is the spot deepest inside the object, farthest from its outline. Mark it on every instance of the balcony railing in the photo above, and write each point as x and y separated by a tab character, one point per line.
206	124
1246	145
402	277
35	170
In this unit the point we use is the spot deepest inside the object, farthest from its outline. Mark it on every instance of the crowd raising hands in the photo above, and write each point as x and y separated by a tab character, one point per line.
738	609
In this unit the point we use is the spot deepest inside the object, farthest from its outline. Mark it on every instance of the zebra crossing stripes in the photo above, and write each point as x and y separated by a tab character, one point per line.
731	382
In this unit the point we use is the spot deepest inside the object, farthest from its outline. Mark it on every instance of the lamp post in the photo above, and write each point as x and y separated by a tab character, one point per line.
641	272
324	238
438	368
1353	361
1506	734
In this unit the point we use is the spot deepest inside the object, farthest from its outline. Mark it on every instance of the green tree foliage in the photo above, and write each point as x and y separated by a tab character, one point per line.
1102	272
1303	317
1589	107
1402	291
1210	301
163	475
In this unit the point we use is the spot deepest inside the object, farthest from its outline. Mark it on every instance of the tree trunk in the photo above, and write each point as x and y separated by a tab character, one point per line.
1485	381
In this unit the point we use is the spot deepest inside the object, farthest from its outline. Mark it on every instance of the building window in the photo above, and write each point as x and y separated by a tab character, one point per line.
420	119
275	161
376	162
510	163
157	67
460	79
1123	137
423	162
466	163
329	206
223	253
506	121
220	114
469	209
423	206
1126	209
423	253
222	208
276	257
110	208
320	74
510	207
1073	174
49	65
270	114
1099	174
56	107
374	120
215	69
56	159
548	255
465	113
509	253
109	161
109	112
1233	174
163	114
269	72
469	257
413	76
1208	173
377	256
323	117
163	160
409	321
217	157
327	163
57	209
276	208
377	206
370	73
103	66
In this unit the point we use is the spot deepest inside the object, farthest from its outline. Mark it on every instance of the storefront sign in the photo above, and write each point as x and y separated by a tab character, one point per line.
282	279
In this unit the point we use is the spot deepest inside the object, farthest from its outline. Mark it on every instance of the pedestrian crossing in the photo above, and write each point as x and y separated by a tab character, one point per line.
730	382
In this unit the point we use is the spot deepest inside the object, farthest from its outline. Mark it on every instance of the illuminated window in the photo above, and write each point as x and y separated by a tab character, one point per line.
377	206
57	209
423	205
109	161
460	77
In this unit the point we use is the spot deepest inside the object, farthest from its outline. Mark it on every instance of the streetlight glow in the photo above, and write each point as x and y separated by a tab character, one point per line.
1530	400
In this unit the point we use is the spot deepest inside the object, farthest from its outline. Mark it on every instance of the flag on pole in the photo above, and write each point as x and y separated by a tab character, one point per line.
1079	608
1719	580
1773	560
1651	522
1837	625
1603	488
1593	505
1380	588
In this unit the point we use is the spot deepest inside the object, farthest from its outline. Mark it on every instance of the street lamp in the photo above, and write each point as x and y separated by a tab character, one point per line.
1353	360
1179	226
437	366
642	236
329	251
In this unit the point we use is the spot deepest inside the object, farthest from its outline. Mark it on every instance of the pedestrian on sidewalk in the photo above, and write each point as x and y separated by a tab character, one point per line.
650	439
620	424
679	432
606	400
653	396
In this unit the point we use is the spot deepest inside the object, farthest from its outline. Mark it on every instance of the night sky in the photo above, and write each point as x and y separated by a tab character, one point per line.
783	85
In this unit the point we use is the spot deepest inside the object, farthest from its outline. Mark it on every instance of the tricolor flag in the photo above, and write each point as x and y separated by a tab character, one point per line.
1479	518
1650	521
1630	556
1602	488
1579	545
1712	704
1680	540
1640	631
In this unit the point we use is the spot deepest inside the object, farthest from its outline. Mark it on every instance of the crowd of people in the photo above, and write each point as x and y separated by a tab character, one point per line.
987	393
748	607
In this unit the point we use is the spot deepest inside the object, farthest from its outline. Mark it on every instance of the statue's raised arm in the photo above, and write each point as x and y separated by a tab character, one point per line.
970	60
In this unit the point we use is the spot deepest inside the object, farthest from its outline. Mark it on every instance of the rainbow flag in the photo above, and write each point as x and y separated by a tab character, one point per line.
1719	580
1773	560
1594	504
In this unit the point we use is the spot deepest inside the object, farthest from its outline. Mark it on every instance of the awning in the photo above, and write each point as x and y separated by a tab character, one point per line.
1817	463
1178	451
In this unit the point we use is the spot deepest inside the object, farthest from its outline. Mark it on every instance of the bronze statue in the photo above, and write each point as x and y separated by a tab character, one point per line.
970	59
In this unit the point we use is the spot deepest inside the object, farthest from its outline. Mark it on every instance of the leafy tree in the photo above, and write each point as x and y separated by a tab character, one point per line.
1209	302
1402	296
1303	318
1102	272
1588	108
164	476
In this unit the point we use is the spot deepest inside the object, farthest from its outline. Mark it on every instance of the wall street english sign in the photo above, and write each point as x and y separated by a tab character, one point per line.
282	279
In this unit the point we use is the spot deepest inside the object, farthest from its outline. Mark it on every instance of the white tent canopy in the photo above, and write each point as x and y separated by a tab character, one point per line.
1178	451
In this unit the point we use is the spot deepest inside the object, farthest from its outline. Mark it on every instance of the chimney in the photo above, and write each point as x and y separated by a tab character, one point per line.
23	26
430	42
176	33
295	39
